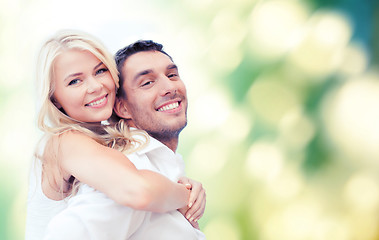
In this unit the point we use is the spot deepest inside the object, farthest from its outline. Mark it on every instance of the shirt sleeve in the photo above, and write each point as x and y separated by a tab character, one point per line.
92	215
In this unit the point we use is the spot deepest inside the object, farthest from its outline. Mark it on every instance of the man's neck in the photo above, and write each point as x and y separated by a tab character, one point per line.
170	141
172	144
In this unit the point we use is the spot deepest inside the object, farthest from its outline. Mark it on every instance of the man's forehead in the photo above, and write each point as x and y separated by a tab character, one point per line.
147	59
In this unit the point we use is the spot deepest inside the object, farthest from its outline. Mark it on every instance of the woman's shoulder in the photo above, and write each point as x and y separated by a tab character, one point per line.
54	144
71	137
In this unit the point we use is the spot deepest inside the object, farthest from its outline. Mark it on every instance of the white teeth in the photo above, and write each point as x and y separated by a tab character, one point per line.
169	107
96	102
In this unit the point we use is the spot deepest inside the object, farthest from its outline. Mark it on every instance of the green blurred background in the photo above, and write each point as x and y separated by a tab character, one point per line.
284	106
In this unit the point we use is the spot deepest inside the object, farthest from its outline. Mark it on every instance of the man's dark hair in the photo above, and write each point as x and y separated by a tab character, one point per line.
126	52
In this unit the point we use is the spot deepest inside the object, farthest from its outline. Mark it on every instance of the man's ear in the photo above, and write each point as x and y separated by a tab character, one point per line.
121	110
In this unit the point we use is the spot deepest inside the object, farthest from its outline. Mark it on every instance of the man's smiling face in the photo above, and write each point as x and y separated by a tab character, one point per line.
156	97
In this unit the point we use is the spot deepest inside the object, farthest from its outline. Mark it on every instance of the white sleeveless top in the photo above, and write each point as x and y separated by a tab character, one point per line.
40	209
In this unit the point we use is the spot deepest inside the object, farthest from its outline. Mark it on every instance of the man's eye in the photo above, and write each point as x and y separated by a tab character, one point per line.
147	83
75	81
172	75
102	70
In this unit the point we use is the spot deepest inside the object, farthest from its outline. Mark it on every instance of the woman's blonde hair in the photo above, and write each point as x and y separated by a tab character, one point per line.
51	120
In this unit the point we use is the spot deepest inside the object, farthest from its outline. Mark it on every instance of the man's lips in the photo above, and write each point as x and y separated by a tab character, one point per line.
169	106
98	101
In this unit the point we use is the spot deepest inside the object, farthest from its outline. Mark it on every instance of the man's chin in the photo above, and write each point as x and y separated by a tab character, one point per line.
168	131
176	126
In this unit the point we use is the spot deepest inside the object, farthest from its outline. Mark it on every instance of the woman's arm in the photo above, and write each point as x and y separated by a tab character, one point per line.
111	172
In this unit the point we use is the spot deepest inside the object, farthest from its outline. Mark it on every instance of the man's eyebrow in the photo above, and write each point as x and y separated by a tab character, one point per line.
172	66
142	73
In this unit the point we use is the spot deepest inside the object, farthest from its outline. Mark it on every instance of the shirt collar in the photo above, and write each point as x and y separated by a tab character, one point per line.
151	145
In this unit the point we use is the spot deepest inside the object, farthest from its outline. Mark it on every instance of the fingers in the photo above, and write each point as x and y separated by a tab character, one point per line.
195	191
197	210
201	211
195	225
196	202
186	182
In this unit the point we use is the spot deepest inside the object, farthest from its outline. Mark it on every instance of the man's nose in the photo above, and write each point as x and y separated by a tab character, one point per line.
167	86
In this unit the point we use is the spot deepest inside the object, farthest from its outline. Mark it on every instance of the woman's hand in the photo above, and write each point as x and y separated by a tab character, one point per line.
197	200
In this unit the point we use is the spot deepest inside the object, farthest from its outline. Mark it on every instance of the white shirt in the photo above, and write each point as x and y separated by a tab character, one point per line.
92	215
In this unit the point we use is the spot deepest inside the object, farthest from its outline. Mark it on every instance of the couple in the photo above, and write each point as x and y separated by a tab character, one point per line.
125	159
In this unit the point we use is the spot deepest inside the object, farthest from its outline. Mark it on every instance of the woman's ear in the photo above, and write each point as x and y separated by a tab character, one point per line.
56	103
121	110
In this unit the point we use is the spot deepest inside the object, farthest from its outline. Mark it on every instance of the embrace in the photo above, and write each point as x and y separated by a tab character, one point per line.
106	166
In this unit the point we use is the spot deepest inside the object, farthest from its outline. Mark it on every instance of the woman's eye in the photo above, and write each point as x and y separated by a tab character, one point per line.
102	70
75	81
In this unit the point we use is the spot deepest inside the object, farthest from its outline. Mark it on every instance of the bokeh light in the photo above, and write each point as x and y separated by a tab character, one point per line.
264	161
273	27
319	51
272	99
353	117
222	228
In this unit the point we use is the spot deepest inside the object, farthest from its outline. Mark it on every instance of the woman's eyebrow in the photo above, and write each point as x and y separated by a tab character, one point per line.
72	75
98	65
79	73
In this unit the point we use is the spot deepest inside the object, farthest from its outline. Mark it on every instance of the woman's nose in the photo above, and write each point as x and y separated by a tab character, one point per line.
93	85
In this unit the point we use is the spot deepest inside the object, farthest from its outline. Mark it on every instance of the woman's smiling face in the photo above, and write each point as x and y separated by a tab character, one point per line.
84	87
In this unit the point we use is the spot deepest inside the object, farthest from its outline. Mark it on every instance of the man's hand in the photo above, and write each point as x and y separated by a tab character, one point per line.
197	201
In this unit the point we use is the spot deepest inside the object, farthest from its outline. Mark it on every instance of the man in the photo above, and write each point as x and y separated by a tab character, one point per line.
152	97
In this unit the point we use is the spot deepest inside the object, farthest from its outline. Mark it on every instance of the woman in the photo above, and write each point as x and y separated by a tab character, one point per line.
78	80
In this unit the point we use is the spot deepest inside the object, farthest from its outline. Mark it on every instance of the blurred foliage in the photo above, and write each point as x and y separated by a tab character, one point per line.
283	118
